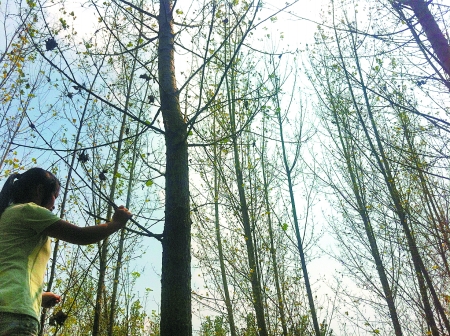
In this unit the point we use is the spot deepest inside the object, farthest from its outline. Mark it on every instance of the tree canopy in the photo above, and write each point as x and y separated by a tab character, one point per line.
286	163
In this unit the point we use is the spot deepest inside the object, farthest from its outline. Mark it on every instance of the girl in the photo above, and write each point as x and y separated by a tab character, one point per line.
26	222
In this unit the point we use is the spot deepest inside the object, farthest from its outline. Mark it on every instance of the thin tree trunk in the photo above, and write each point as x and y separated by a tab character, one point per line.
435	211
344	138
62	211
301	252
112	310
226	292
273	252
254	279
383	164
104	245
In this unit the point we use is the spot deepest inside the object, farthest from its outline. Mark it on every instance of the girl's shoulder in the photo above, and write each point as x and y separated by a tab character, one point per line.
22	206
25	208
28	215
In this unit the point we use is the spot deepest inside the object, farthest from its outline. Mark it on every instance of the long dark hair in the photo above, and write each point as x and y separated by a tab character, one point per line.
20	188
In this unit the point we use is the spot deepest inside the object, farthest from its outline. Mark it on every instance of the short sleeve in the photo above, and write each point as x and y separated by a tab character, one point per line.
38	218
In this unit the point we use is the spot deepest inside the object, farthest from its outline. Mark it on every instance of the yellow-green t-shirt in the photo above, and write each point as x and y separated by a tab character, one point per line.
24	253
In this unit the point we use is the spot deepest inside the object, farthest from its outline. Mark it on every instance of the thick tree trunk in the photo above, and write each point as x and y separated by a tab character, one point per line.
434	34
176	317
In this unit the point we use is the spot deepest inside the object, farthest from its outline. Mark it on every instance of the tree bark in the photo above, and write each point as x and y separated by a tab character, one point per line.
432	31
176	316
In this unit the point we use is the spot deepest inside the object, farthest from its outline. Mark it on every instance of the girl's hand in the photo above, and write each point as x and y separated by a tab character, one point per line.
121	215
50	299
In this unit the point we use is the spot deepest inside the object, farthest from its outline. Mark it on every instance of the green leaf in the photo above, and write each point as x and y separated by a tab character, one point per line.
284	226
63	23
31	3
149	183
